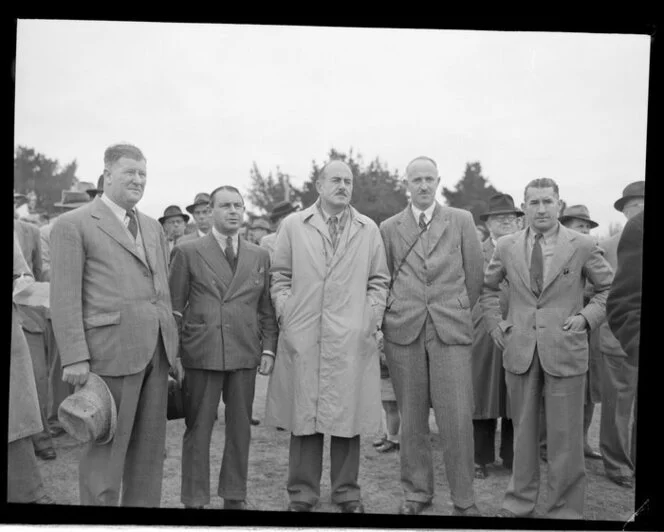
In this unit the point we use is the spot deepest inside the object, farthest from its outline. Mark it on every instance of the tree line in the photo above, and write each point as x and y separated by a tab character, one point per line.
378	191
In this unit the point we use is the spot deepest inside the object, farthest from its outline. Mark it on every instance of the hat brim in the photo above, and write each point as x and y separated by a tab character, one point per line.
592	223
164	218
99	383
71	206
275	216
190	208
484	216
619	205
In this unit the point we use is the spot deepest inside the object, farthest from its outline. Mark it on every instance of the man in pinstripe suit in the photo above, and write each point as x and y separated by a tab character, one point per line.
436	262
111	313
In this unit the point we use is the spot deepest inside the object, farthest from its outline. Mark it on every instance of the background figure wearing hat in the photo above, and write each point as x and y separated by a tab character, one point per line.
34	323
577	218
258	229
279	212
489	389
202	214
24	482
112	315
173	221
619	382
220	286
94	192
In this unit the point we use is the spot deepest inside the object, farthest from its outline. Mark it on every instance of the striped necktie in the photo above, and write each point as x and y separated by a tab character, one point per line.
132	225
332	222
537	266
230	254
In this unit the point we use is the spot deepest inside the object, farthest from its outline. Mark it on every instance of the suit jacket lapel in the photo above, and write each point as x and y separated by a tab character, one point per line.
109	224
519	250
149	241
242	267
211	253
437	227
409	231
561	255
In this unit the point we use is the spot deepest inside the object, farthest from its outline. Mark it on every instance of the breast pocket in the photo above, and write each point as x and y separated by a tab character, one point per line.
101	320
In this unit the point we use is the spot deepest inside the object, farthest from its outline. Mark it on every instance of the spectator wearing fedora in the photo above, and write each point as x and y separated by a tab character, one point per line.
173	221
258	228
490	393
112	316
201	211
577	218
619	382
279	212
24	481
94	192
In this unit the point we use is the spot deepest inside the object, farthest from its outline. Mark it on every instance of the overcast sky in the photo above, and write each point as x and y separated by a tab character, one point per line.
204	101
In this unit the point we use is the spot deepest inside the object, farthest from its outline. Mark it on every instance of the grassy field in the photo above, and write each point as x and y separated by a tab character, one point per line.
379	474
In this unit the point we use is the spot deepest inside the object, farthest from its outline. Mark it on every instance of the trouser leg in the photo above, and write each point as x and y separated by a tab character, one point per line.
305	467
450	378
344	468
484	434
24	481
566	478
506	442
201	390
42	440
238	395
409	371
144	463
618	399
525	391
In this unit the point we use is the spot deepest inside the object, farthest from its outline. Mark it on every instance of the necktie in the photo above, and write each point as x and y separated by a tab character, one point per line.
332	221
132	225
423	221
537	266
230	254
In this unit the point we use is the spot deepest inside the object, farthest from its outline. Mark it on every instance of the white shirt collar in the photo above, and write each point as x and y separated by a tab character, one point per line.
428	212
200	233
222	239
117	210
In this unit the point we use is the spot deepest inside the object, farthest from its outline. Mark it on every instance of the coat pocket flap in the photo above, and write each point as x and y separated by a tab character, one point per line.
100	320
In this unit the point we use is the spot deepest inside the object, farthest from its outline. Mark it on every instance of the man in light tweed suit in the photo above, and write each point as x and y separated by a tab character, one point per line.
545	347
435	260
111	312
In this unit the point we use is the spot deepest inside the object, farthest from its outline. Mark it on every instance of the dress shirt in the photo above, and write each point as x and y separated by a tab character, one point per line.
428	212
342	219
548	243
121	215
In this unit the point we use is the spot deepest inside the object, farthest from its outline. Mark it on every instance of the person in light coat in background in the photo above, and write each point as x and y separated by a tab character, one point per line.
329	285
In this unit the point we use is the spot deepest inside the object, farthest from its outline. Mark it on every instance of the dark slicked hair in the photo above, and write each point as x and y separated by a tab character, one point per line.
115	152
542	182
224	187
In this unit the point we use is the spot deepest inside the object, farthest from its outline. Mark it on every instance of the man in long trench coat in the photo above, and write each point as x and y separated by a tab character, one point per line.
329	285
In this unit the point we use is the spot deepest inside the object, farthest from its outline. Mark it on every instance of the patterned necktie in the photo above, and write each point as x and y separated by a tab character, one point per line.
230	254
423	221
537	266
132	225
332	222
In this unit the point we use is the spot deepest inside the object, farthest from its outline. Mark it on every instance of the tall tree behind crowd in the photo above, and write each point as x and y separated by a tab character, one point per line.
266	191
377	192
33	171
472	192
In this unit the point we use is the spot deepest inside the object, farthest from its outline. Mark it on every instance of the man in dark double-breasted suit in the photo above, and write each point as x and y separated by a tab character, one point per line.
220	288
545	347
